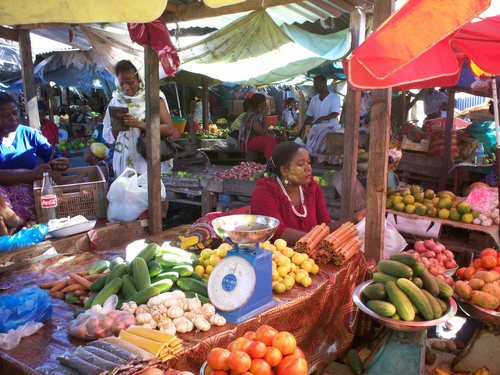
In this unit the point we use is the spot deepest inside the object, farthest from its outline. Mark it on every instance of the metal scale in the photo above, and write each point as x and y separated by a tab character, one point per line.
240	285
400	345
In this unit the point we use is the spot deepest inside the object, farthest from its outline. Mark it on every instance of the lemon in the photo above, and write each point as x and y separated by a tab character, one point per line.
467	218
206	263
280	244
265	244
276	275
306	266
297	259
315	269
281	260
209	269
299	276
225	246
206	253
214	259
306	281
287	252
282	271
199	270
222	252
289	282
272	248
279	287
293	267
274	283
274	266
206	276
306	257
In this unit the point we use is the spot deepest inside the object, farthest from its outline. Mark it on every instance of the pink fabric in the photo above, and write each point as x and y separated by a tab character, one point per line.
262	143
269	200
156	35
20	199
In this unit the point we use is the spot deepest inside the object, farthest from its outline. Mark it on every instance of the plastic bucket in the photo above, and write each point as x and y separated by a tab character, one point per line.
180	125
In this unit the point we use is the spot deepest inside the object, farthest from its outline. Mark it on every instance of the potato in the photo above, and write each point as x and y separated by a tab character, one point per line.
463	289
476	284
492	288
484	300
487	276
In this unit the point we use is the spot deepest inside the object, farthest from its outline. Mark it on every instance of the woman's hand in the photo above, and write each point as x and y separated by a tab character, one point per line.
132	122
37	173
60	164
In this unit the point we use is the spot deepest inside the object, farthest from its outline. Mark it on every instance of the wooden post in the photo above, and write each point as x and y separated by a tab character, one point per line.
153	138
50	101
378	155
205	103
445	167
29	86
351	131
302	110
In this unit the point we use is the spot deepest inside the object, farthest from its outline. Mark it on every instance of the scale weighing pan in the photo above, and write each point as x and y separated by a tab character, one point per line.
240	285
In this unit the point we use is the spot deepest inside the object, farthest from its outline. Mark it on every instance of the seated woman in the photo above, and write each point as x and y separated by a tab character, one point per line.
253	135
98	154
292	196
20	148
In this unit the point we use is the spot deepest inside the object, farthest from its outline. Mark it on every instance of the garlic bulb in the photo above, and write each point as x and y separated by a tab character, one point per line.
143	318
130	306
208	310
142	309
154	301
183	325
217	320
175	312
168	327
193	304
201	323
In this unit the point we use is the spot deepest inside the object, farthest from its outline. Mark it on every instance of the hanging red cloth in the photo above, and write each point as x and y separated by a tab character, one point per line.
155	34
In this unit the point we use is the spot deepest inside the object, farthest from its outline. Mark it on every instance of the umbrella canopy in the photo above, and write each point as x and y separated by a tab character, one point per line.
440	37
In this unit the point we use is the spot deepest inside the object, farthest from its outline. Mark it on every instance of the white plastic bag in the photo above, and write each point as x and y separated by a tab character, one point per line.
142	181
394	242
12	338
127	200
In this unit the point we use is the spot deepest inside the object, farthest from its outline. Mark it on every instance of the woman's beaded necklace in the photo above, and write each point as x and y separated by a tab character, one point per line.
304	208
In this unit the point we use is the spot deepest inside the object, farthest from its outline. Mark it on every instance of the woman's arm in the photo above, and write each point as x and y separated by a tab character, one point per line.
259	127
166	127
25	177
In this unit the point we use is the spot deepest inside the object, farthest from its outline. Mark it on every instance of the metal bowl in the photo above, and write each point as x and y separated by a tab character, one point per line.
203	368
450	271
478	313
245	229
401	325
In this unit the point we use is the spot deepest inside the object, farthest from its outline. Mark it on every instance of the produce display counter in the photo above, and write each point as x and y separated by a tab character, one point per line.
322	317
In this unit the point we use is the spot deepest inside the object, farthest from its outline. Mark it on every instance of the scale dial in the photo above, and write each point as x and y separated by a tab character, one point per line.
231	283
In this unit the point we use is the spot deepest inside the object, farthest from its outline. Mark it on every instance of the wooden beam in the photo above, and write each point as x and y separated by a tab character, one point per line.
9	34
445	167
171	8
32	26
315	10
29	86
50	101
198	10
378	155
352	107
151	65
326	6
342	5
205	103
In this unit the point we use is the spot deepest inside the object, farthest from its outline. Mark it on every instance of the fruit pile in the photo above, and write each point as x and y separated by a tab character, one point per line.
210	258
404	290
444	204
436	258
244	171
263	352
489	260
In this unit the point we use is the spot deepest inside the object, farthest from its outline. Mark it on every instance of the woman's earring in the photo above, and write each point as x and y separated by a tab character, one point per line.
286	182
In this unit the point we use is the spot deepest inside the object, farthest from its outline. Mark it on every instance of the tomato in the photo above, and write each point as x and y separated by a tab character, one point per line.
460	272
292	365
488	261
239	361
265	334
218	372
273	356
496	269
250	335
489	251
260	367
469	272
299	353
476	263
217	359
257	349
285	342
241	343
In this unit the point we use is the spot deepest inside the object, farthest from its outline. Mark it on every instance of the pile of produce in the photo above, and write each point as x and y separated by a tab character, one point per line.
324	247
404	290
244	171
489	260
265	351
326	179
444	204
438	260
484	199
182	174
210	258
362	155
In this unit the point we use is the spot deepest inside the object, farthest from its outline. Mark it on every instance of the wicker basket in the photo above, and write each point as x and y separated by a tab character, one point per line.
79	191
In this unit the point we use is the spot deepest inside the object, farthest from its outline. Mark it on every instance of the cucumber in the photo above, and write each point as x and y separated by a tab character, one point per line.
144	295
354	362
163	285
98	267
141	274
436	307
149	252
196	276
405	258
171	275
394	268
87	304
380	277
400	300
192	285
418	268
98	284
128	288
202	299
430	283
184	271
117	272
181	253
170	260
71	298
418	282
445	290
383	308
442	304
375	291
115	261
154	268
418	298
113	287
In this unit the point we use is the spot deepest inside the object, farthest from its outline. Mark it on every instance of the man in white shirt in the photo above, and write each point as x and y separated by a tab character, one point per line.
323	113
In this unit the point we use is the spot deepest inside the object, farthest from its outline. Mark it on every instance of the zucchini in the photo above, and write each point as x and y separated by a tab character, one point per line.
98	284
164	285
113	287
375	291
400	300
98	267
128	288
144	295
202	299
354	362
405	258
171	275
418	298
184	271
380	277
383	308
418	268
192	285
170	260
141	274
117	272
115	262
430	283
436	307
394	268
154	268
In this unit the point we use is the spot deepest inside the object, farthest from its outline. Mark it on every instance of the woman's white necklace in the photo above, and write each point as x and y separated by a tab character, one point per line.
304	208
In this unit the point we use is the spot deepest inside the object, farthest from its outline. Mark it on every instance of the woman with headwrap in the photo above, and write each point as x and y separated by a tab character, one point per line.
97	154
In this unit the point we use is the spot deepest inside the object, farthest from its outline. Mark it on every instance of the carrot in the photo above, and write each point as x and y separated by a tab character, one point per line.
48	285
59	285
93	277
56	294
80	280
72	288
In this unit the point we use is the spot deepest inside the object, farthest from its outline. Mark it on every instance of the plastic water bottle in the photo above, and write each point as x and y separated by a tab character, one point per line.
479	155
48	197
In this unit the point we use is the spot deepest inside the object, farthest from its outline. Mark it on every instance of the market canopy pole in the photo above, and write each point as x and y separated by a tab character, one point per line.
152	83
205	100
351	132
29	85
445	167
378	154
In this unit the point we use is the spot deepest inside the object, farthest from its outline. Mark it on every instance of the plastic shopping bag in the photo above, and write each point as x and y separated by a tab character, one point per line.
127	200
25	237
394	242
142	181
30	305
12	338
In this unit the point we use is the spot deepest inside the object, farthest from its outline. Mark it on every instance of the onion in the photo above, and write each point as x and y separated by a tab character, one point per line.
449	254
429	243
450	263
430	254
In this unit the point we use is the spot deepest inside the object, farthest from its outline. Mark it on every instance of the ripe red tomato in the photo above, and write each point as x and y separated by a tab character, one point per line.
250	335
488	261
460	272
265	334
299	353
285	342
476	263
241	343
469	272
218	372
489	251
239	361
257	349
217	359
273	356
260	367
497	268
292	365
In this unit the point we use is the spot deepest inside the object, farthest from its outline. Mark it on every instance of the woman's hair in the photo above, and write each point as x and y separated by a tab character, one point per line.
246	105
283	154
125	66
289	101
6	98
256	100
